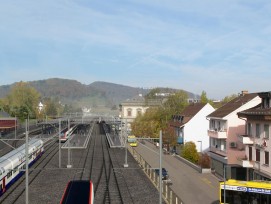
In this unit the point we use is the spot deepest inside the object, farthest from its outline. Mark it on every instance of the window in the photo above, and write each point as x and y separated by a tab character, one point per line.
212	127
139	111
258	155
213	141
266	156
266	131
9	174
257	130
129	112
250	153
249	127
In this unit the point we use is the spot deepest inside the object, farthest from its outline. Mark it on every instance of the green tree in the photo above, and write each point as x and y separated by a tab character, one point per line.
190	153
152	93
203	97
225	100
23	100
176	103
51	108
228	98
157	118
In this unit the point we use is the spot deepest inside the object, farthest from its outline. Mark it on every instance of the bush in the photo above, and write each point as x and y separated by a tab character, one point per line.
190	153
204	161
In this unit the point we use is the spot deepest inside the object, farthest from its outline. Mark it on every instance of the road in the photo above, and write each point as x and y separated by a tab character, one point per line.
190	185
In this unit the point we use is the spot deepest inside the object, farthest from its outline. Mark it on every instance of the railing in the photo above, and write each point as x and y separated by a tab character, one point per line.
218	151
244	162
246	139
168	194
220	134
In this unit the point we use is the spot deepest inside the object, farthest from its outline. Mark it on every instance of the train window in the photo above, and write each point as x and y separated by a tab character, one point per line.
9	174
16	169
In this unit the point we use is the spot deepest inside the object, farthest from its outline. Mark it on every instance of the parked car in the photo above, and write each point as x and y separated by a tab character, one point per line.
164	173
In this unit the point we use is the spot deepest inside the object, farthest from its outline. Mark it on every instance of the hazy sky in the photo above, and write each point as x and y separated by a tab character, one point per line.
217	46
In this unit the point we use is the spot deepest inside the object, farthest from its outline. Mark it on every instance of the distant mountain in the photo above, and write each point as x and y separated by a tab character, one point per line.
95	95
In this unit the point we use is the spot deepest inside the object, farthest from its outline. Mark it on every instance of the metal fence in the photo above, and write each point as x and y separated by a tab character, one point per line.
168	194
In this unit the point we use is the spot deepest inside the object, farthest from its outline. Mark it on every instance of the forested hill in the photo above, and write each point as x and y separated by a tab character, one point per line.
72	91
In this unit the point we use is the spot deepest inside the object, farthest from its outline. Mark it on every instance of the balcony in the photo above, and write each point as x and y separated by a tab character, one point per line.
222	134
218	154
218	151
244	162
245	139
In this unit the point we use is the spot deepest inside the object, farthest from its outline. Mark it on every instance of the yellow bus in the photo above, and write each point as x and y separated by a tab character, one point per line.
257	191
132	140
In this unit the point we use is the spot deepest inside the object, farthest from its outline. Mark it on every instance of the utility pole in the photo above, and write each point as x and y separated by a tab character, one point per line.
59	142
125	164
15	127
160	168
26	160
69	150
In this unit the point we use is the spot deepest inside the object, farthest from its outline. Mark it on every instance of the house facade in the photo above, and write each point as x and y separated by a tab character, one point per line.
224	128
131	108
256	139
191	125
7	123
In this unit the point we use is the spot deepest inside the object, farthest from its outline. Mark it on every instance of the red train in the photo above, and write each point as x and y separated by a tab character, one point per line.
78	192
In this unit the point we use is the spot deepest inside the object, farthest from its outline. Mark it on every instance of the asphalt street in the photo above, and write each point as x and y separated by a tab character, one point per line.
190	185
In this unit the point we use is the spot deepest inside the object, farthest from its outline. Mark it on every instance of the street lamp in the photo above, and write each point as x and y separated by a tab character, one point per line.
15	126
224	175
125	164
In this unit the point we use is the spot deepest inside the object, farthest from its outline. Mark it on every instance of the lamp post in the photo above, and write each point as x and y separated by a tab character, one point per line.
15	126
26	160
125	164
224	175
160	167
59	143
69	149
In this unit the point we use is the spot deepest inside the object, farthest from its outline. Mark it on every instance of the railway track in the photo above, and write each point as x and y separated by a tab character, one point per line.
97	166
12	142
106	188
97	163
17	189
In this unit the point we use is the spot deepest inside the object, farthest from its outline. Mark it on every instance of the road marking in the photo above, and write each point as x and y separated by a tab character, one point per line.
205	180
150	149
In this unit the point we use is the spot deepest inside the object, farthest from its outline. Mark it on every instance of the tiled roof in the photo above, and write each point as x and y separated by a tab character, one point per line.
233	105
188	113
257	110
139	100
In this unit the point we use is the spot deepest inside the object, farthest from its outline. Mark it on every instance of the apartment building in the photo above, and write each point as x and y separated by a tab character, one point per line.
256	139
224	128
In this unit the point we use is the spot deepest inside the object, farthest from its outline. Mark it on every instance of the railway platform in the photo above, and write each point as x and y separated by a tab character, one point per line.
114	140
78	140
